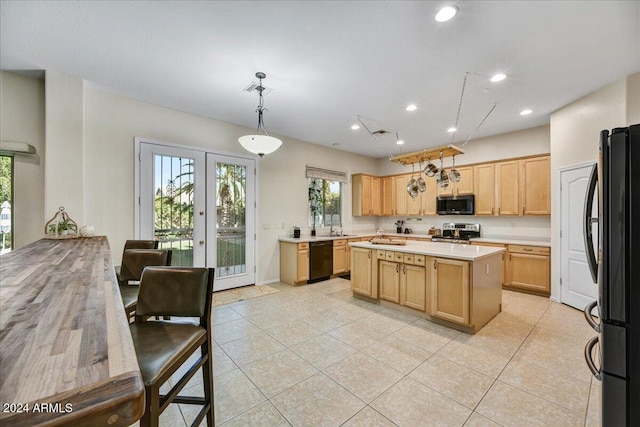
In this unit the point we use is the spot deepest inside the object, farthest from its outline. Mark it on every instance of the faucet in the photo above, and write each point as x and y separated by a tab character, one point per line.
331	225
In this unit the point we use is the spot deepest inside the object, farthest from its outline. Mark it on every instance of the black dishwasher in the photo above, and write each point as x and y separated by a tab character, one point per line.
320	260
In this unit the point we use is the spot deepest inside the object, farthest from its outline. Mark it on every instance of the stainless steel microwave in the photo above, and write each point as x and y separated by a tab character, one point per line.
455	205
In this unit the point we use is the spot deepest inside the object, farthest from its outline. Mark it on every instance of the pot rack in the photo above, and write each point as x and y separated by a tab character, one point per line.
423	156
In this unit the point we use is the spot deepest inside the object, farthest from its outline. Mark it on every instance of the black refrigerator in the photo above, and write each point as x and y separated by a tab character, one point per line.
615	267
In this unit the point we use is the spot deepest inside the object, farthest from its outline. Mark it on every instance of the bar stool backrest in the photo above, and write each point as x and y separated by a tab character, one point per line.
135	260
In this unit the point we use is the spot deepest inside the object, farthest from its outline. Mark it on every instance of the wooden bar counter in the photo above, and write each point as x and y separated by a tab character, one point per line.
66	354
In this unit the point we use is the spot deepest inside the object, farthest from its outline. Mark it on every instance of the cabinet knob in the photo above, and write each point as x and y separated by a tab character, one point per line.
435	264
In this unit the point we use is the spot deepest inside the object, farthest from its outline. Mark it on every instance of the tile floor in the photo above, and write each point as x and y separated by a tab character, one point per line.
315	356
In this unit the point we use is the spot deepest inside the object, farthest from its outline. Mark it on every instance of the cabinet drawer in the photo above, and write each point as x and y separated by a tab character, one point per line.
535	250
380	254
398	256
388	255
340	242
419	259
408	258
303	245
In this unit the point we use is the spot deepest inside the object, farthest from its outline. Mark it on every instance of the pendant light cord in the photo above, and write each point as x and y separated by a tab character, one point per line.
495	104
464	84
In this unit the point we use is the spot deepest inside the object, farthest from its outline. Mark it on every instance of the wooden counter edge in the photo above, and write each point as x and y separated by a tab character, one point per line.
118	401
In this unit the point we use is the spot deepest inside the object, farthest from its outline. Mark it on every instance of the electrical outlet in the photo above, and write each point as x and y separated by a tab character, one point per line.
282	226
266	226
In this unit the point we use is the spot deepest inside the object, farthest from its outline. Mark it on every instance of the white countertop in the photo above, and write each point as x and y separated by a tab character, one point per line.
444	250
512	241
304	239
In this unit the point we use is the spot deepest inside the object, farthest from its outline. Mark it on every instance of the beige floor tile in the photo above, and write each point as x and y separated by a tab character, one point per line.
251	348
477	420
593	422
422	338
325	320
276	373
493	339
368	417
483	361
234	330
269	320
263	415
294	333
384	324
233	394
322	351
510	406
363	376
317	401
222	314
398	354
171	417
436	328
564	391
357	335
221	362
452	380
350	312
410	403
594	410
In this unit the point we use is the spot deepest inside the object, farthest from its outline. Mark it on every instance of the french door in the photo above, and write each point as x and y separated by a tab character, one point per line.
201	206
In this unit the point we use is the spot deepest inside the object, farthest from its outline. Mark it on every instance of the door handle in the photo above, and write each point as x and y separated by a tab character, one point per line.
434	264
590	320
397	268
588	220
201	242
587	356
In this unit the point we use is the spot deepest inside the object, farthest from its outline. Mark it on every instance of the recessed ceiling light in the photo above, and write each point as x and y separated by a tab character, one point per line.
451	129
411	107
526	112
446	13
355	127
399	142
498	78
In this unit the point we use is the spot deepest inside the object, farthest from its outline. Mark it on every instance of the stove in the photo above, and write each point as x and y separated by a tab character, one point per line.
457	233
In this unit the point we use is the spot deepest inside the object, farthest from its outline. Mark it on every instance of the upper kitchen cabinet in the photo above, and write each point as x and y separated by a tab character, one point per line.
366	195
388	202
507	187
400	194
464	186
535	186
485	189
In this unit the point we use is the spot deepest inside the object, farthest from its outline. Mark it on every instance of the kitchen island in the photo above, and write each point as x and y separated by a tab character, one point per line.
65	347
453	284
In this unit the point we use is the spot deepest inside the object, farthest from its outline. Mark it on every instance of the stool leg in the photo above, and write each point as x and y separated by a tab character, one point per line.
207	380
151	415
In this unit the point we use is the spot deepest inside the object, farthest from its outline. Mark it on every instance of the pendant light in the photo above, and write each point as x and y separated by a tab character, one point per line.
260	143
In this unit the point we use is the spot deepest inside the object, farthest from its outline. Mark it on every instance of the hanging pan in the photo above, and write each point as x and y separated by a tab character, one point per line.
454	175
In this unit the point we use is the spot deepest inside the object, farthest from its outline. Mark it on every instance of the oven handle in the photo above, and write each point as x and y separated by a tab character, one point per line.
588	221
587	356
590	320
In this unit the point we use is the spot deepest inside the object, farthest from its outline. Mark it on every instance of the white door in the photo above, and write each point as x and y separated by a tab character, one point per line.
172	190
231	230
578	288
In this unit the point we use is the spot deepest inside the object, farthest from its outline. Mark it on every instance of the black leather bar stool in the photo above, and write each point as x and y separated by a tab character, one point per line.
162	347
136	244
133	262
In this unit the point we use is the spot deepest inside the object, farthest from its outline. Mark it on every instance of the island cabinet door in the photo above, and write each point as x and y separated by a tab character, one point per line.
390	281
413	289
450	290
361	280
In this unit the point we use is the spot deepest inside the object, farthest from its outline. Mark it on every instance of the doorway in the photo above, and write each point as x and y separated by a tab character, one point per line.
201	205
577	288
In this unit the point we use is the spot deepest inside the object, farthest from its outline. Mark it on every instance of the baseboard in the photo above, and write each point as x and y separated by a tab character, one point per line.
267	282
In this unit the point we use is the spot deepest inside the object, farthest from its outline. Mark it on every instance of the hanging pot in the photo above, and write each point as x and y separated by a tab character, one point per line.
454	175
422	185
443	179
430	170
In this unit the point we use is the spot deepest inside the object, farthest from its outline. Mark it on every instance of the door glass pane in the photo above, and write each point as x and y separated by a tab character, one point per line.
173	206
231	219
6	201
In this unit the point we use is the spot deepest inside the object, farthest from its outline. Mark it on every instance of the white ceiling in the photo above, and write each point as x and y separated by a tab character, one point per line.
330	61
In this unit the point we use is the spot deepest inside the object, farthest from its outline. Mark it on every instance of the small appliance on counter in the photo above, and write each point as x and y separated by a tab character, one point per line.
296	232
457	233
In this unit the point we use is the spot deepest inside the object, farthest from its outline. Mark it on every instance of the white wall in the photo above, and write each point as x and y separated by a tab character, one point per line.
633	99
526	142
22	119
575	132
112	122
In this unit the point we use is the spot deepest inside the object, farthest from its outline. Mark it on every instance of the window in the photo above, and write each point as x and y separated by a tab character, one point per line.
6	202
325	202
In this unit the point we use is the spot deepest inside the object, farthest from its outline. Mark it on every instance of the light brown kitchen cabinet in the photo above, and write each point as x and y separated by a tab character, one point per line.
348	252
429	198
450	290
463	187
528	269
504	264
535	186
389	279
485	189
387	196
400	194
340	256
413	283
294	263
364	278
365	195
508	188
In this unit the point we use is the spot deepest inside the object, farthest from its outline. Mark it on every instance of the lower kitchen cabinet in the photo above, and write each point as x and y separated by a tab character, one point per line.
294	263
340	256
364	279
450	290
389	280
413	290
528	269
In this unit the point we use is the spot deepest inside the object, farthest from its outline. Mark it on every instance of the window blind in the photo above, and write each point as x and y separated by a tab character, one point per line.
313	172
